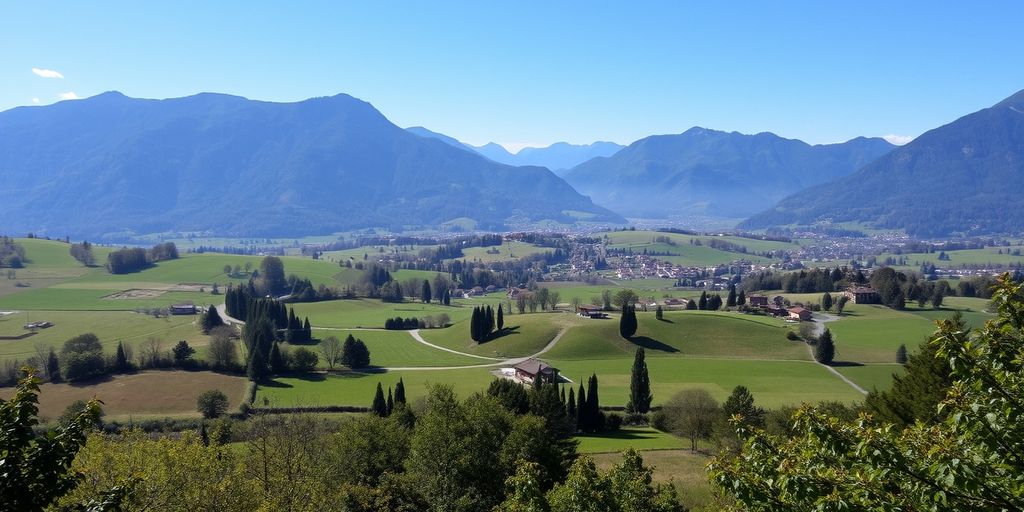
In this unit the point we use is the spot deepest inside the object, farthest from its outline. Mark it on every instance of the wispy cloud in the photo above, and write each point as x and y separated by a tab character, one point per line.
70	95
899	140
47	73
35	100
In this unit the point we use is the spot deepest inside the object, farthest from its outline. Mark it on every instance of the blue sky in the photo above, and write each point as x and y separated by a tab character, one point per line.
532	73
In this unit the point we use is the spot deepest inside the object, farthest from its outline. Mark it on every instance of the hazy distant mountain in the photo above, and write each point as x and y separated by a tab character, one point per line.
557	157
113	164
964	177
713	173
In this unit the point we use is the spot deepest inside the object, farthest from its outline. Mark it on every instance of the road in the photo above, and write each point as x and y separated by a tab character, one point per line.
820	319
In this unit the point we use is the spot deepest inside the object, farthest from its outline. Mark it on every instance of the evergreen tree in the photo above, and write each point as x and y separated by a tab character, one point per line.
120	359
474	325
595	421
741	299
731	300
380	405
826	301
702	304
400	392
627	322
447	297
52	366
741	402
570	406
488	323
901	354
691	305
278	364
425	294
501	318
639	386
307	332
390	402
257	369
659	313
824	348
581	410
715	302
211	319
916	391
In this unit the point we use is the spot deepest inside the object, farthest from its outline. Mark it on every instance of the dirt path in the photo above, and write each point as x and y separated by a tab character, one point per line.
820	319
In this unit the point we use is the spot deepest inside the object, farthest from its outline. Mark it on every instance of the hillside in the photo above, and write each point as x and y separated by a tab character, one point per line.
559	156
714	173
111	165
959	178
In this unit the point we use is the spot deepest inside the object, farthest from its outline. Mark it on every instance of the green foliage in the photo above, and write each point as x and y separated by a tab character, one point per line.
824	348
512	395
82	358
212	403
692	414
901	354
182	353
640	395
916	392
968	460
354	353
628	322
210	320
303	360
826	301
366	449
36	468
379	405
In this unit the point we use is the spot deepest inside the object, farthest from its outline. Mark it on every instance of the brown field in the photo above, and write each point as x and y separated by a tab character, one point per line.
135	293
151	393
683	468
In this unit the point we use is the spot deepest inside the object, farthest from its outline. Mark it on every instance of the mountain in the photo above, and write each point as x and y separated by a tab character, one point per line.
713	173
963	177
111	165
558	156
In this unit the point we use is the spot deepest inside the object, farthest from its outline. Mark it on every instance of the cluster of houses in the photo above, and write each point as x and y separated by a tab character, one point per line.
475	291
776	306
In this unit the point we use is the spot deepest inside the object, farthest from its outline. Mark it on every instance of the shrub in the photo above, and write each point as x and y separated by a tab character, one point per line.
212	403
304	360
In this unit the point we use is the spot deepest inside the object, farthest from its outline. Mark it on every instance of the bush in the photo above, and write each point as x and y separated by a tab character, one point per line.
82	358
304	360
635	419
613	422
792	336
212	403
658	421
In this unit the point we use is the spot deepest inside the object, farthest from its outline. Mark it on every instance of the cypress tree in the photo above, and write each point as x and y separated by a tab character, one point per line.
488	322
627	322
640	396
659	313
741	299
257	369
570	406
425	294
400	392
901	354
826	301
702	304
390	402
474	325
916	391
277	362
731	300
120	359
307	332
581	410
52	367
691	305
593	405
825	348
501	319
380	405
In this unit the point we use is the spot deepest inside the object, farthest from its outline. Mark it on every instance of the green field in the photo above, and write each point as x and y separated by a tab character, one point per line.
372	312
508	251
683	252
524	335
398	348
637	438
657	289
988	256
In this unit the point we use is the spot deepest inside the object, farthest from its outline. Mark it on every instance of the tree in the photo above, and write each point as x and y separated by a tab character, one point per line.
731	300
627	322
659	313
212	403
211	320
593	417
330	349
702	304
824	348
379	406
36	467
606	300
82	358
222	352
741	299
182	353
524	493
624	298
937	296
968	460
901	354
640	396
840	304
691	413
272	279
425	294
354	353
691	305
501	319
304	360
400	392
53	366
918	389
826	301
121	358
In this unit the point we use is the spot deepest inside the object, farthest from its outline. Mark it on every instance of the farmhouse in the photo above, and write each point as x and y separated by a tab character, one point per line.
774	310
862	295
590	312
183	309
757	300
673	301
799	313
528	370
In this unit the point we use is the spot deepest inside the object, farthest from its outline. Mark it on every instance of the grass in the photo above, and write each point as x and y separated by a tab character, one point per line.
97	299
372	312
524	335
399	349
508	251
109	326
683	333
871	376
644	288
637	438
988	257
154	393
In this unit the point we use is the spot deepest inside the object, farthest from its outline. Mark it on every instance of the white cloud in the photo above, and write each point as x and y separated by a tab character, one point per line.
35	100
898	140
47	73
70	95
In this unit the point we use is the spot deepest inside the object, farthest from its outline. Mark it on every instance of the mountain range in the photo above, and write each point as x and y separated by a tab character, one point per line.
558	157
114	166
714	173
961	178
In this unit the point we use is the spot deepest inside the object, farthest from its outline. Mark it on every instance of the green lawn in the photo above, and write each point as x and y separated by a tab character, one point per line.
637	438
871	376
91	299
523	335
683	333
373	312
398	348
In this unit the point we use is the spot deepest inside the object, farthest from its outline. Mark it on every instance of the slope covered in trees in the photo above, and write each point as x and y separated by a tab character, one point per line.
957	178
113	165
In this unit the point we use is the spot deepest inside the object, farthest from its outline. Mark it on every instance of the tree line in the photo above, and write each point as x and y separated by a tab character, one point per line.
135	259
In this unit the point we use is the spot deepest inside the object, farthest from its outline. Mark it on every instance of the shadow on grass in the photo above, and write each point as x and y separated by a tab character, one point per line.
666	320
504	332
92	381
624	435
845	364
652	344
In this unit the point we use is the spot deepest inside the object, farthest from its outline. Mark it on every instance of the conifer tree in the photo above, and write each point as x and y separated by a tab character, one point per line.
627	322
307	332
474	325
400	392
901	354
691	305
917	390
731	300
277	361
488	322
380	404
826	301
581	410
702	304
425	294
741	402
639	386
594	417
390	402
659	313
741	299
256	371
52	367
824	348
501	318
120	359
570	406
